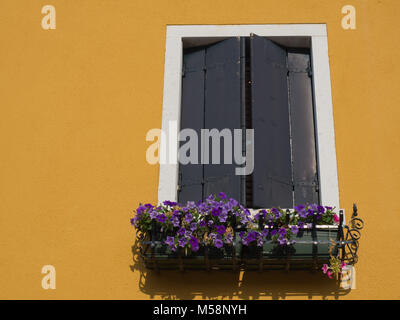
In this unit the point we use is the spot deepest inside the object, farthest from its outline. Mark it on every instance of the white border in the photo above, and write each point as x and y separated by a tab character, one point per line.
325	141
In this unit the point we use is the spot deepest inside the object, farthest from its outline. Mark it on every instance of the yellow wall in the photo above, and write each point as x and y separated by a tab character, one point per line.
76	103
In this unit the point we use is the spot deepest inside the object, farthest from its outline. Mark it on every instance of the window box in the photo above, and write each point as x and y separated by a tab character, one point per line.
311	247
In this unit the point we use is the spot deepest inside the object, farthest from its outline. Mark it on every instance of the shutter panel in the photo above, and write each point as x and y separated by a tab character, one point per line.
192	116
272	175
222	110
302	128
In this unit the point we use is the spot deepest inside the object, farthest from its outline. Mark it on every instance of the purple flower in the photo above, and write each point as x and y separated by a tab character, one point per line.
276	212
329	208
188	217
265	232
220	229
182	241
170	241
181	231
282	232
251	236
300	224
210	223
218	243
169	203
294	229
321	209
299	208
175	221
202	223
188	233
233	202
210	197
223	216
274	232
215	212
161	218
222	195
153	214
282	241
212	235
194	243
193	226
190	204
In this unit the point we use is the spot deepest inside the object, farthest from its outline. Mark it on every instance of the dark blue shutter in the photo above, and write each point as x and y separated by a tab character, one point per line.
272	175
192	116
223	109
302	128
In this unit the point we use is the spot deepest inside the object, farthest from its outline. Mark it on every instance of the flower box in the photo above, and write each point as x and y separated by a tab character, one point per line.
221	234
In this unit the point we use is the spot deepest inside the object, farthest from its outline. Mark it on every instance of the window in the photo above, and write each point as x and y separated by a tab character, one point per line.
279	78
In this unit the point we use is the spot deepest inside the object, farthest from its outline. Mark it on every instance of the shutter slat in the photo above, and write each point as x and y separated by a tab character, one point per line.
302	126
272	175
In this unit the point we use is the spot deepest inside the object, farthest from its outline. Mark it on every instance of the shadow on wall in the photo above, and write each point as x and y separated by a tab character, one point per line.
274	284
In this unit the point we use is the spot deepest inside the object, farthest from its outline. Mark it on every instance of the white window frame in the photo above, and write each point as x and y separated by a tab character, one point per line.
325	135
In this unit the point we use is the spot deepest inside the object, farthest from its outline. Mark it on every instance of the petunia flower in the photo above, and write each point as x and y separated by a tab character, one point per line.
294	229
218	243
336	218
282	241
222	195
194	243
175	221
182	242
193	226
188	218
161	218
169	203
220	229
282	231
325	268
181	231
215	212
170	241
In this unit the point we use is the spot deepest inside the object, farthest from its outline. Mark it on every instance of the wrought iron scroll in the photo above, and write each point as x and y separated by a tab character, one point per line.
351	235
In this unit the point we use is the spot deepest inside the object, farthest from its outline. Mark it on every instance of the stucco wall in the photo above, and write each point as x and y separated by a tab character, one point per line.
76	103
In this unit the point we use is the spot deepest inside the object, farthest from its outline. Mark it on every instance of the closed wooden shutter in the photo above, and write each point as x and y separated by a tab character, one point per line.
211	99
223	110
272	175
